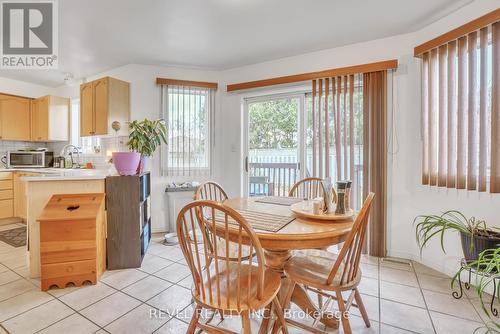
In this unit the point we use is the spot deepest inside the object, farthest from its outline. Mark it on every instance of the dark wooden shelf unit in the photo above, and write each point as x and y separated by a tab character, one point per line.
128	204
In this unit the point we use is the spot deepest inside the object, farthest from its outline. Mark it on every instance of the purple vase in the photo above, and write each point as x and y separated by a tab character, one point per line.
126	162
143	164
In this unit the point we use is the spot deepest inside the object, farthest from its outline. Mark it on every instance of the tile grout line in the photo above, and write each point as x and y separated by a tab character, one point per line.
5	329
11	270
153	274
394	326
116	291
38	331
78	312
425	302
34	307
141	302
477	311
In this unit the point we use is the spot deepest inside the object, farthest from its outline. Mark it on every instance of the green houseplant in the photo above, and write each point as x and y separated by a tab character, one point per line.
474	234
145	137
487	266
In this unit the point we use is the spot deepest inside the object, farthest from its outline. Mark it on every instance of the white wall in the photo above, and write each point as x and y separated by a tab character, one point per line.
407	198
145	103
22	88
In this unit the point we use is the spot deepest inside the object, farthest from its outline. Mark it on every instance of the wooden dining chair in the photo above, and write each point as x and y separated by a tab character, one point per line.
230	287
210	190
328	274
309	188
213	191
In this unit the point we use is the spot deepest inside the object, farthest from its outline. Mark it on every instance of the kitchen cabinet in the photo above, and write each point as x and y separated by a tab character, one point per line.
20	208
15	117
103	102
7	199
13	194
50	119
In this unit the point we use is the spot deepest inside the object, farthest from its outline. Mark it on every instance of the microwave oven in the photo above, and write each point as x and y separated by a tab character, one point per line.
30	159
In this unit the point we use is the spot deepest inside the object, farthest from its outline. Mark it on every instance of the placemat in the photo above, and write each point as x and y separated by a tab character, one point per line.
279	200
259	220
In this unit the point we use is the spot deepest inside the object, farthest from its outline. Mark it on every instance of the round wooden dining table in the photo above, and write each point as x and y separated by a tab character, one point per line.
301	233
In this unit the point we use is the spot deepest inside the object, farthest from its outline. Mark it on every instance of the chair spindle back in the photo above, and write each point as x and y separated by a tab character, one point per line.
308	188
350	253
210	191
241	282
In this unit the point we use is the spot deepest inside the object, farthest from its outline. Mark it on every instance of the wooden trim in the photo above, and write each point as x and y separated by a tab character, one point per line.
371	67
23	97
456	33
202	84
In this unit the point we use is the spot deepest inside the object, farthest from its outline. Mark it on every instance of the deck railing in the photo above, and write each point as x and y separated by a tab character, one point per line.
276	179
272	179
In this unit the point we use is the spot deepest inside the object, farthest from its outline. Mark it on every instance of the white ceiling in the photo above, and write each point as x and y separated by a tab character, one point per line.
96	35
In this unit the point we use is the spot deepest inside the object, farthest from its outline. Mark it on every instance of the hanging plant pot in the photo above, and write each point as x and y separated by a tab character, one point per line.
472	246
126	163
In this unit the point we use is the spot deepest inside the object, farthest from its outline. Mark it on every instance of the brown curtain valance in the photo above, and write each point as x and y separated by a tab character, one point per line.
187	83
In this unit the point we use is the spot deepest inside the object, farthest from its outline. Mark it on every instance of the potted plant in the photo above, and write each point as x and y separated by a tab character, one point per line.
487	266
145	137
474	234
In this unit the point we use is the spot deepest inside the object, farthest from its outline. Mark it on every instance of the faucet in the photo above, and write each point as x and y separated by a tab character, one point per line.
74	150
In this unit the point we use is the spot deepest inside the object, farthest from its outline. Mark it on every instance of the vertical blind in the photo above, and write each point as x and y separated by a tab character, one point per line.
188	112
348	130
335	143
375	157
460	107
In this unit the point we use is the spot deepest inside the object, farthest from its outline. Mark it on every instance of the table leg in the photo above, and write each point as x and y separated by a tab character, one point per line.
275	260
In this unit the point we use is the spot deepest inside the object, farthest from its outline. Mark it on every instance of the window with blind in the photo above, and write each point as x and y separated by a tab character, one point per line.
460	98
188	112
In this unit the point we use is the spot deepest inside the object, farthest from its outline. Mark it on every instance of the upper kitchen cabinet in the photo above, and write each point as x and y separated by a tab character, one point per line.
103	102
50	119
15	117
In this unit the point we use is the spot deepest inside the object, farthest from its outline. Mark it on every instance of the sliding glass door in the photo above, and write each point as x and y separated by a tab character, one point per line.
273	144
283	132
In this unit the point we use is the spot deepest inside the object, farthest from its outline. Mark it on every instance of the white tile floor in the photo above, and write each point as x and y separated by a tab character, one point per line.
399	299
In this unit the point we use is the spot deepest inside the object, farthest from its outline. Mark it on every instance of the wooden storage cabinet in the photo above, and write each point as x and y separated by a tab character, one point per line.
129	220
15	117
20	208
50	119
103	102
6	195
72	240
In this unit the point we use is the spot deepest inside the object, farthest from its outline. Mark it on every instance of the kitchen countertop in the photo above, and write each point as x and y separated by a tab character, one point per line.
60	174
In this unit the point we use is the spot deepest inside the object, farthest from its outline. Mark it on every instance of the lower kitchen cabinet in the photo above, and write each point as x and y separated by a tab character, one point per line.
13	194
6	195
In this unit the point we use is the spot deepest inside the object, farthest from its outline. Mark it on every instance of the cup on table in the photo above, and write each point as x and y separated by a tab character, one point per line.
317	204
